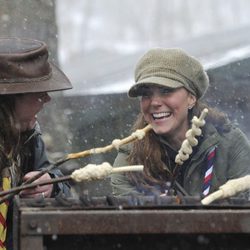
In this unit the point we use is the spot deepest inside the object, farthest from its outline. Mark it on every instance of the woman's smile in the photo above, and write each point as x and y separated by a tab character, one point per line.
167	110
161	115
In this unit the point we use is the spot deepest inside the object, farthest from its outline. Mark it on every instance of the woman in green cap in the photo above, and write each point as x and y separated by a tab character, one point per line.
26	77
169	84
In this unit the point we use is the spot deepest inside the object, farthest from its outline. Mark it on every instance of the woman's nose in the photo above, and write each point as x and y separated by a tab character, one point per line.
156	98
45	97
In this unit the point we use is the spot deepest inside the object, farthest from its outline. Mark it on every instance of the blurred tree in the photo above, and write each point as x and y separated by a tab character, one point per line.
30	19
37	20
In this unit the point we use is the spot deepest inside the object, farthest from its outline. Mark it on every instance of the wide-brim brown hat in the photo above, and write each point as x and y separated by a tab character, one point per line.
24	68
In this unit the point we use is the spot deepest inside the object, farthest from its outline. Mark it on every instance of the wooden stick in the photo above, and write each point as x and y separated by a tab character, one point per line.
33	185
134	136
212	197
71	177
35	177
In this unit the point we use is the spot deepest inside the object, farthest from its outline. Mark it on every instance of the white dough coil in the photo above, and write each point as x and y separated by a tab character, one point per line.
191	141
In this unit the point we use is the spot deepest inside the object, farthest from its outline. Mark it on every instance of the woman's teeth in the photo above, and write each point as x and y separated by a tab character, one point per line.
161	115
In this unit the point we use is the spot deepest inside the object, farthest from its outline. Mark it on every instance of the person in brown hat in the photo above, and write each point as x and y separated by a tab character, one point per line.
170	85
26	78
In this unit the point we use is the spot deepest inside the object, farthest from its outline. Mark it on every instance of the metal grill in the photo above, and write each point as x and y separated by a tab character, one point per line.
131	222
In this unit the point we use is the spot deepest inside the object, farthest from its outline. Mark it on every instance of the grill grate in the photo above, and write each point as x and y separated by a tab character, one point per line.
132	202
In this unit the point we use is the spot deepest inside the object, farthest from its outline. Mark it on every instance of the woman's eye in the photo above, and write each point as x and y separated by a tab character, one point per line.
146	93
165	90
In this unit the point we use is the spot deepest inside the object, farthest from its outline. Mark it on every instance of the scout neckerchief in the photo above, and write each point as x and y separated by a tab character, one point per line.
209	171
6	184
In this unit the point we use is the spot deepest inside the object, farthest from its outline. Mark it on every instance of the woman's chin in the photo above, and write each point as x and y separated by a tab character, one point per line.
28	126
160	131
31	125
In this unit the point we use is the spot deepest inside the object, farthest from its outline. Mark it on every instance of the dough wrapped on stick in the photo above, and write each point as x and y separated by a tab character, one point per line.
191	141
97	172
88	173
137	135
229	189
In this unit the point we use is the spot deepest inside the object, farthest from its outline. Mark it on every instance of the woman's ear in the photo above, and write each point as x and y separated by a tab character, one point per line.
191	101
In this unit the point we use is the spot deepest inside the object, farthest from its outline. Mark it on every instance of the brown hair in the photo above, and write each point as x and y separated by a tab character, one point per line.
155	159
9	134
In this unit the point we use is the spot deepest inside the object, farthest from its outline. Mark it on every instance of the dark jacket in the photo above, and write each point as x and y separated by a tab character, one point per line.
231	161
34	158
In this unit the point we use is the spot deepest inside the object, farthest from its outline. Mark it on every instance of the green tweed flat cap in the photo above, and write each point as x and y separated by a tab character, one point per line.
172	68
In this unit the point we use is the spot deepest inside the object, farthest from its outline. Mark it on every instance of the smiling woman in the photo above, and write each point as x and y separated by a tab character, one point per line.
26	77
167	112
170	84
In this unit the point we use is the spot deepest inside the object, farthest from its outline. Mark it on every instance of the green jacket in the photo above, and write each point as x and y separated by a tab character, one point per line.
232	161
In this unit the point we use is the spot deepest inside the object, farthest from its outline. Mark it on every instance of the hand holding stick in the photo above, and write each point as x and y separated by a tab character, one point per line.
88	173
137	135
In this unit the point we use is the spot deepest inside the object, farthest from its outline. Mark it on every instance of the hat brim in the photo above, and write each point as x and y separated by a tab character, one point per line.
57	81
134	91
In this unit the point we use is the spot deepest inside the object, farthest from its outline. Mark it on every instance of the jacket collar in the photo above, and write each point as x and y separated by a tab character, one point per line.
209	138
28	135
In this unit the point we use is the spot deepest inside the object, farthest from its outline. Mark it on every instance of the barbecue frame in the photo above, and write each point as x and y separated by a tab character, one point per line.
33	224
